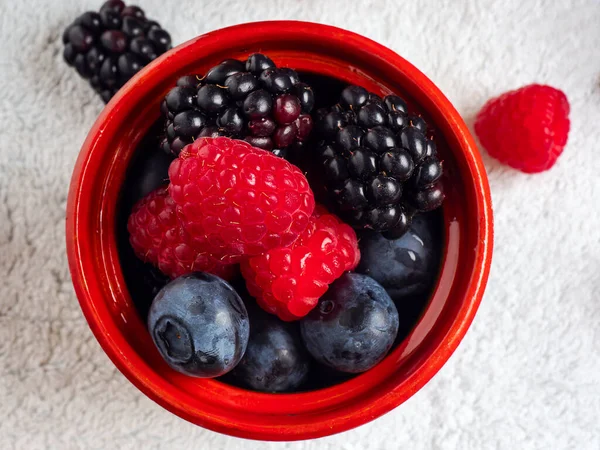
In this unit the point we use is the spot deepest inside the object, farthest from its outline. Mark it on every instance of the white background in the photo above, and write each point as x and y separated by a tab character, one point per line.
527	374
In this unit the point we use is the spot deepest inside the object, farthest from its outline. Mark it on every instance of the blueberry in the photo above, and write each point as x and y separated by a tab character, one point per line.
275	359
406	266
353	326
199	325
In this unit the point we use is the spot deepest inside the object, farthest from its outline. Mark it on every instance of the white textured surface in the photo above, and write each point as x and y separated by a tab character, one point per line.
528	373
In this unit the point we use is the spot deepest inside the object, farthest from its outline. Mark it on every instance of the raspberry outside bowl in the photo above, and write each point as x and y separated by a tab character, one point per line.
106	303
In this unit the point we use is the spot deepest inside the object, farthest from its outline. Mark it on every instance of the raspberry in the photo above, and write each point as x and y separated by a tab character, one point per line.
526	128
110	46
289	281
150	220
375	163
253	100
238	200
156	235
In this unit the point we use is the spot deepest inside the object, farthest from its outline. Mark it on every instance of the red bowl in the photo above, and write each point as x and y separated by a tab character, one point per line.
98	278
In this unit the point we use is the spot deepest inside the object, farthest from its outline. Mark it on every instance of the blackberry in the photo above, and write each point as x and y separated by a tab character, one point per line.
110	46
378	167
269	107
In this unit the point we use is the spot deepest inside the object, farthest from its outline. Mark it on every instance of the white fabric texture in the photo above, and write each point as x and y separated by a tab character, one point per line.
527	375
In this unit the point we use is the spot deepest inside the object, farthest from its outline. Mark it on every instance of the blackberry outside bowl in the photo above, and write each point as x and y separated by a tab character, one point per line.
106	303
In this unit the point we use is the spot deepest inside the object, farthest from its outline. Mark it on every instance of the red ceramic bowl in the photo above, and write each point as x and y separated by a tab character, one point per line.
106	303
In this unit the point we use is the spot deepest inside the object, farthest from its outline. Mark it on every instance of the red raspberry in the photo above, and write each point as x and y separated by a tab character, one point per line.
150	220
289	281
526	128
237	199
157	237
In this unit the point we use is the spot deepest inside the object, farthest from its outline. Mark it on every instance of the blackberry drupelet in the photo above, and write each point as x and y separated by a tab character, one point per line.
378	167
110	46
269	107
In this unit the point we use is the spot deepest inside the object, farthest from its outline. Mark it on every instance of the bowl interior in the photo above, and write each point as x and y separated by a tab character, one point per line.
106	302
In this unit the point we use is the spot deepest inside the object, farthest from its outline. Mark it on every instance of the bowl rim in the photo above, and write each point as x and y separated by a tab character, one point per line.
115	346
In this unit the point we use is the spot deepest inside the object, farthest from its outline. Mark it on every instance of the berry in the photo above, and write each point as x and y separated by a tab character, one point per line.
289	281
377	167
239	200
526	128
157	237
199	325
253	100
111	46
275	359
407	266
354	325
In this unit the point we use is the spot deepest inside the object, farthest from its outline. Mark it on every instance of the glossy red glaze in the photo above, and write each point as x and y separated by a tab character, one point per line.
105	301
